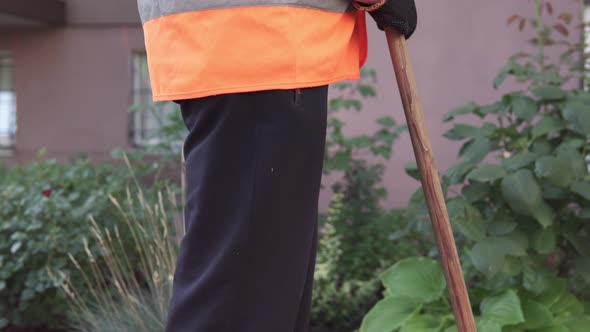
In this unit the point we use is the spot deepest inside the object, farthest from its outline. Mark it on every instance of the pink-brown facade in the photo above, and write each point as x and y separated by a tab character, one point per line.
72	74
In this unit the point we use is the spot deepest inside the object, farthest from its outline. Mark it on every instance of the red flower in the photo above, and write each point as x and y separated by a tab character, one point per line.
551	259
46	192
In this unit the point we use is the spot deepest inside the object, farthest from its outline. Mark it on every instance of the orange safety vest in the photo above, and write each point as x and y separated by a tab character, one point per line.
198	48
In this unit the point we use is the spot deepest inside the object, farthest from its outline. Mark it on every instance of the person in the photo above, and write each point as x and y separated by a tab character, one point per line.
251	78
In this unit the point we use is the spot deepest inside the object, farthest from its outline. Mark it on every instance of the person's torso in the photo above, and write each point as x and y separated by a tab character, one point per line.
198	48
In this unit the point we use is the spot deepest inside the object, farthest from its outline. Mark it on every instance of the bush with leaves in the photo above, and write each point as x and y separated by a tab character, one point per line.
358	238
44	208
523	220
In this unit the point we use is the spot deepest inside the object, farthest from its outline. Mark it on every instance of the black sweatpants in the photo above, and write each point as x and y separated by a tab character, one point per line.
253	169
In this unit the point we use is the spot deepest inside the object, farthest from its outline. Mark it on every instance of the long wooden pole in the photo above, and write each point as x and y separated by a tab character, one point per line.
430	181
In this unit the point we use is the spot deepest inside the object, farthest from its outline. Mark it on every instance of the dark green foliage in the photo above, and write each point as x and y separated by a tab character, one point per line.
44	210
521	217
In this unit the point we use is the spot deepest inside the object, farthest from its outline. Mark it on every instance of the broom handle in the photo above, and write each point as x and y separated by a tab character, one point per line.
430	181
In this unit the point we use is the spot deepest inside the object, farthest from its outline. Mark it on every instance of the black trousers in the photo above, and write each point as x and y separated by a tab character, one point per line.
253	169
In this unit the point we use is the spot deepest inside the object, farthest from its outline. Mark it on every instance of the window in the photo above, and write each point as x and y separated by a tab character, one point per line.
7	103
147	117
587	44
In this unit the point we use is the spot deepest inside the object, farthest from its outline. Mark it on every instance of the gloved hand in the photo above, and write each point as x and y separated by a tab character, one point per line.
400	14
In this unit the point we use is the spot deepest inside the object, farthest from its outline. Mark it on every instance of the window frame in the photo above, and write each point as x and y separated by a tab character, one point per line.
8	149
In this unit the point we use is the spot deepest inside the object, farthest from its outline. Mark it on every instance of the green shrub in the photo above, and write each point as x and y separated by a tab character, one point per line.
358	238
44	207
522	221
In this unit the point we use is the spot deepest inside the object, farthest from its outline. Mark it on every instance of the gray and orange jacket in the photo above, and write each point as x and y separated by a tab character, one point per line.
198	48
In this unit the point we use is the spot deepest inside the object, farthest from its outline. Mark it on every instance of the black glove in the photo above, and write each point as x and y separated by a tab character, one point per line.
400	14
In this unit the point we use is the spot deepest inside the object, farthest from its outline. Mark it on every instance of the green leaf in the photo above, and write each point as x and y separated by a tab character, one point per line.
467	219
476	150
513	244
422	323
522	192
389	314
3	322
361	141
555	328
387	121
486	325
487	258
554	289
524	108
419	278
536	315
340	160
549	92
461	131
470	108
501	227
557	170
476	191
367	90
534	279
577	116
582	189
545	241
577	324
504	309
412	170
507	69
456	174
566	304
519	160
486	173
547	125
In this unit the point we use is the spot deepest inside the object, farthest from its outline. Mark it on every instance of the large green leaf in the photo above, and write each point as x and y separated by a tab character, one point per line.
467	219
513	244
389	314
519	160
549	92
577	115
545	241
547	125
504	309
422	323
417	278
486	172
555	288
557	170
567	304
524	107
578	324
487	257
536	315
522	192
582	189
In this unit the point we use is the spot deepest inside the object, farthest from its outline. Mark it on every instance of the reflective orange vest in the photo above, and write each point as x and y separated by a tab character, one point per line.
198	48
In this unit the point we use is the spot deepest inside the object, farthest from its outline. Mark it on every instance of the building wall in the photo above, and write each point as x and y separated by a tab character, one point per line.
73	83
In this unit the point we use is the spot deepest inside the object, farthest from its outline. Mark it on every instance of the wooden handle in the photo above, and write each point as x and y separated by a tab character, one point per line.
430	181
